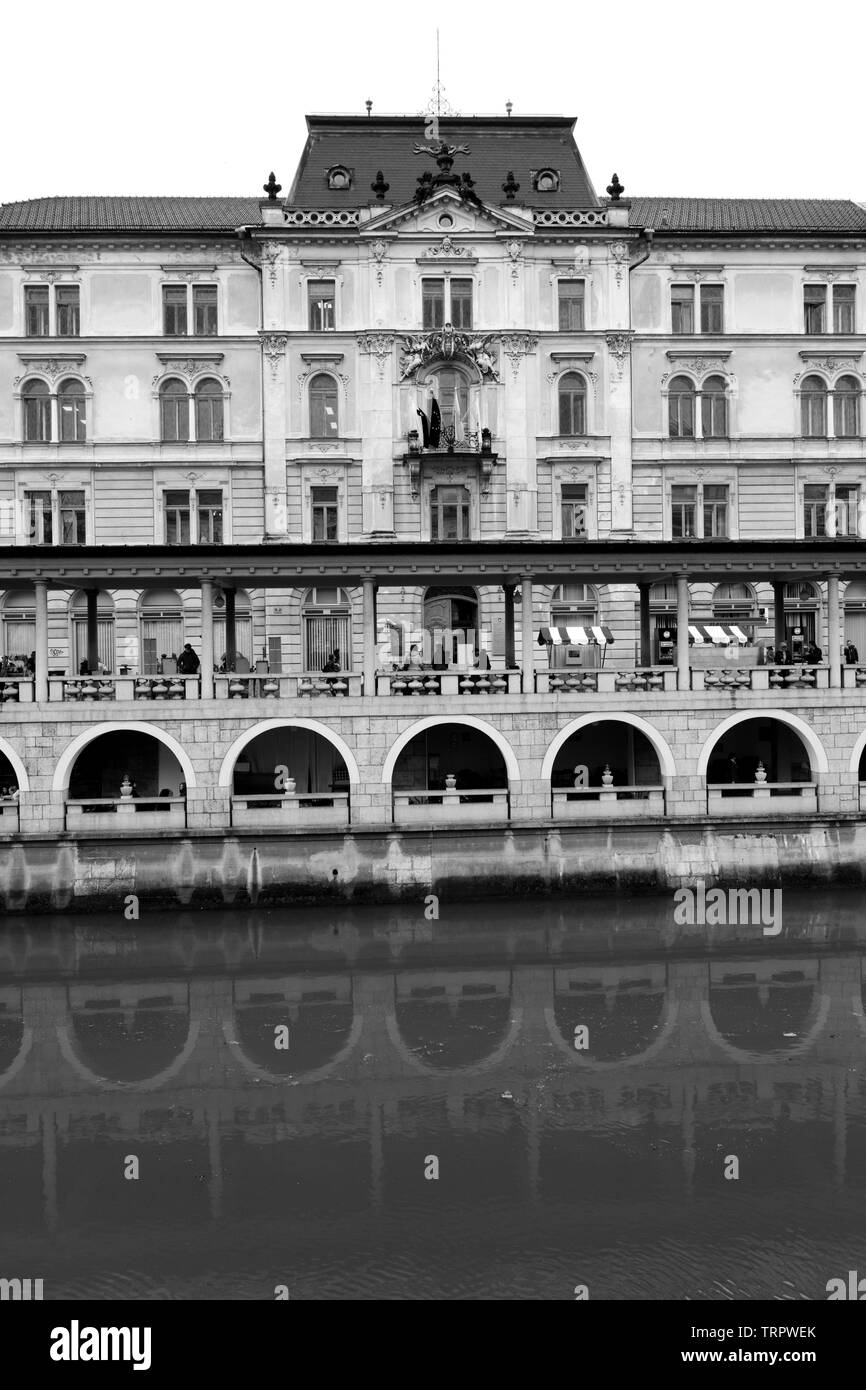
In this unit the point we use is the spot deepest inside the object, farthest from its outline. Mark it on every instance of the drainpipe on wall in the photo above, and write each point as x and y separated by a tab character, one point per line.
244	235
648	233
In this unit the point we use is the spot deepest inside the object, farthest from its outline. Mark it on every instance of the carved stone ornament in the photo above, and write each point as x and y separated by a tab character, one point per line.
515	252
52	367
619	347
379	251
274	348
271	257
444	343
619	255
445	249
516	346
378	345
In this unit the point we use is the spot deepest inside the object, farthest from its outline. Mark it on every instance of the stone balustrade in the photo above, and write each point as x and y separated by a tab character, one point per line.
432	807
762	798
428	682
608	803
120	814
291	810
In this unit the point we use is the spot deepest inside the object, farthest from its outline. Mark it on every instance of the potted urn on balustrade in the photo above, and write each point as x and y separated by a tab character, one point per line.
607	793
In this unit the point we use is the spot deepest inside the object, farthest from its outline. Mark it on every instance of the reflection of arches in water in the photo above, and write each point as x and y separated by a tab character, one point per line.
623	1015
15	1039
774	1008
129	1034
450	1034
319	1028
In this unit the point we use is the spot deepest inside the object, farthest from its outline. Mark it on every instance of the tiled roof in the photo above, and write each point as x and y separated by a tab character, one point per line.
128	214
497	145
748	214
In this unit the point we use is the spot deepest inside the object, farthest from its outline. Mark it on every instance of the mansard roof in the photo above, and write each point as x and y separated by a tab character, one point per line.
747	215
129	214
497	145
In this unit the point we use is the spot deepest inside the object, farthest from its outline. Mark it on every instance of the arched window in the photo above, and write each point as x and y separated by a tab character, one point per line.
19	622
327	625
161	614
174	412
813	407
451	390
714	408
572	404
243	625
681	408
37	413
208	411
802	606
574	605
846	408
71	408
324	416
104	629
732	601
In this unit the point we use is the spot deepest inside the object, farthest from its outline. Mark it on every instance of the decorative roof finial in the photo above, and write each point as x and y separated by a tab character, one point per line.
510	186
508	108
369	105
615	189
379	186
272	188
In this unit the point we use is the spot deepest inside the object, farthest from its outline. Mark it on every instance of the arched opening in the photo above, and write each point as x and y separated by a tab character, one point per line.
451	626
450	770
104	629
131	1033
759	1008
37	412
572	404
762	763
813	407
855	622
174	411
9	789
607	767
209	411
72	412
624	1010
126	779
243	626
19	630
318	1016
326	619
846	408
289	773
714	408
161	614
324	407
802	610
681	408
453	1019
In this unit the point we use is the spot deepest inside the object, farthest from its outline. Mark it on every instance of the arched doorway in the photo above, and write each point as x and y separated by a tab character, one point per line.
741	749
19	624
314	763
104	761
605	768
161	614
451	626
104	626
450	771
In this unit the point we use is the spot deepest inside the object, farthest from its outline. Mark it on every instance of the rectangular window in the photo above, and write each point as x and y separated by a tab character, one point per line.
433	303
204	311
325	515
843	309
712	308
209	505
68	311
682	309
36	311
684	501
174	310
321	300
461	303
815	500
38	510
177	518
815	308
571	302
574	506
715	502
847	495
73	519
449	514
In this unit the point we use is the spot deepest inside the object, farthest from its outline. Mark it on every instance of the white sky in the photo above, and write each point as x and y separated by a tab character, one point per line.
757	98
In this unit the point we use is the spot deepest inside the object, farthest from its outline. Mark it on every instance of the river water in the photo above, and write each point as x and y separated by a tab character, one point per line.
513	1101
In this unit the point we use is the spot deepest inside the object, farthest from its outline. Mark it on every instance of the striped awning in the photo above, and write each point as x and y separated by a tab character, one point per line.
718	634
575	636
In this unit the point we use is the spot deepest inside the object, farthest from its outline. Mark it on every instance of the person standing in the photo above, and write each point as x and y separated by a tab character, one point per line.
188	663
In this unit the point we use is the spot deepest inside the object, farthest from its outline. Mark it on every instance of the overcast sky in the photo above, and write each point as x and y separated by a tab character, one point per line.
757	98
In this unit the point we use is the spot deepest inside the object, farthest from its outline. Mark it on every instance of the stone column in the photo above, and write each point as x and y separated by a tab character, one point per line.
92	629
206	639
645	642
834	655
510	658
527	635
369	617
778	612
41	683
683	678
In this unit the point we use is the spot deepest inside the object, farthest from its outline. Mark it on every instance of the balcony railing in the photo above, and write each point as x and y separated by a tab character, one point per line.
424	807
16	690
291	810
425	682
606	803
137	815
9	820
761	798
605	680
287	687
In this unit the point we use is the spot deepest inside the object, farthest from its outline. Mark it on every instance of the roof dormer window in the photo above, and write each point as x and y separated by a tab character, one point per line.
339	177
545	180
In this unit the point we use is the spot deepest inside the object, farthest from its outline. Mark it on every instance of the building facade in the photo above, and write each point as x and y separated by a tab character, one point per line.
410	425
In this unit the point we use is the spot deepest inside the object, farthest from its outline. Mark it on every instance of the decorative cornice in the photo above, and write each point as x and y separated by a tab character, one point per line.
830	356
831	272
184	271
190	362
51	366
322	359
446	249
378	345
50	271
445	343
696	272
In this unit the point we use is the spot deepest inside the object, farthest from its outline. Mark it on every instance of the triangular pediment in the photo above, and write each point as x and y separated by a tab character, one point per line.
467	218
